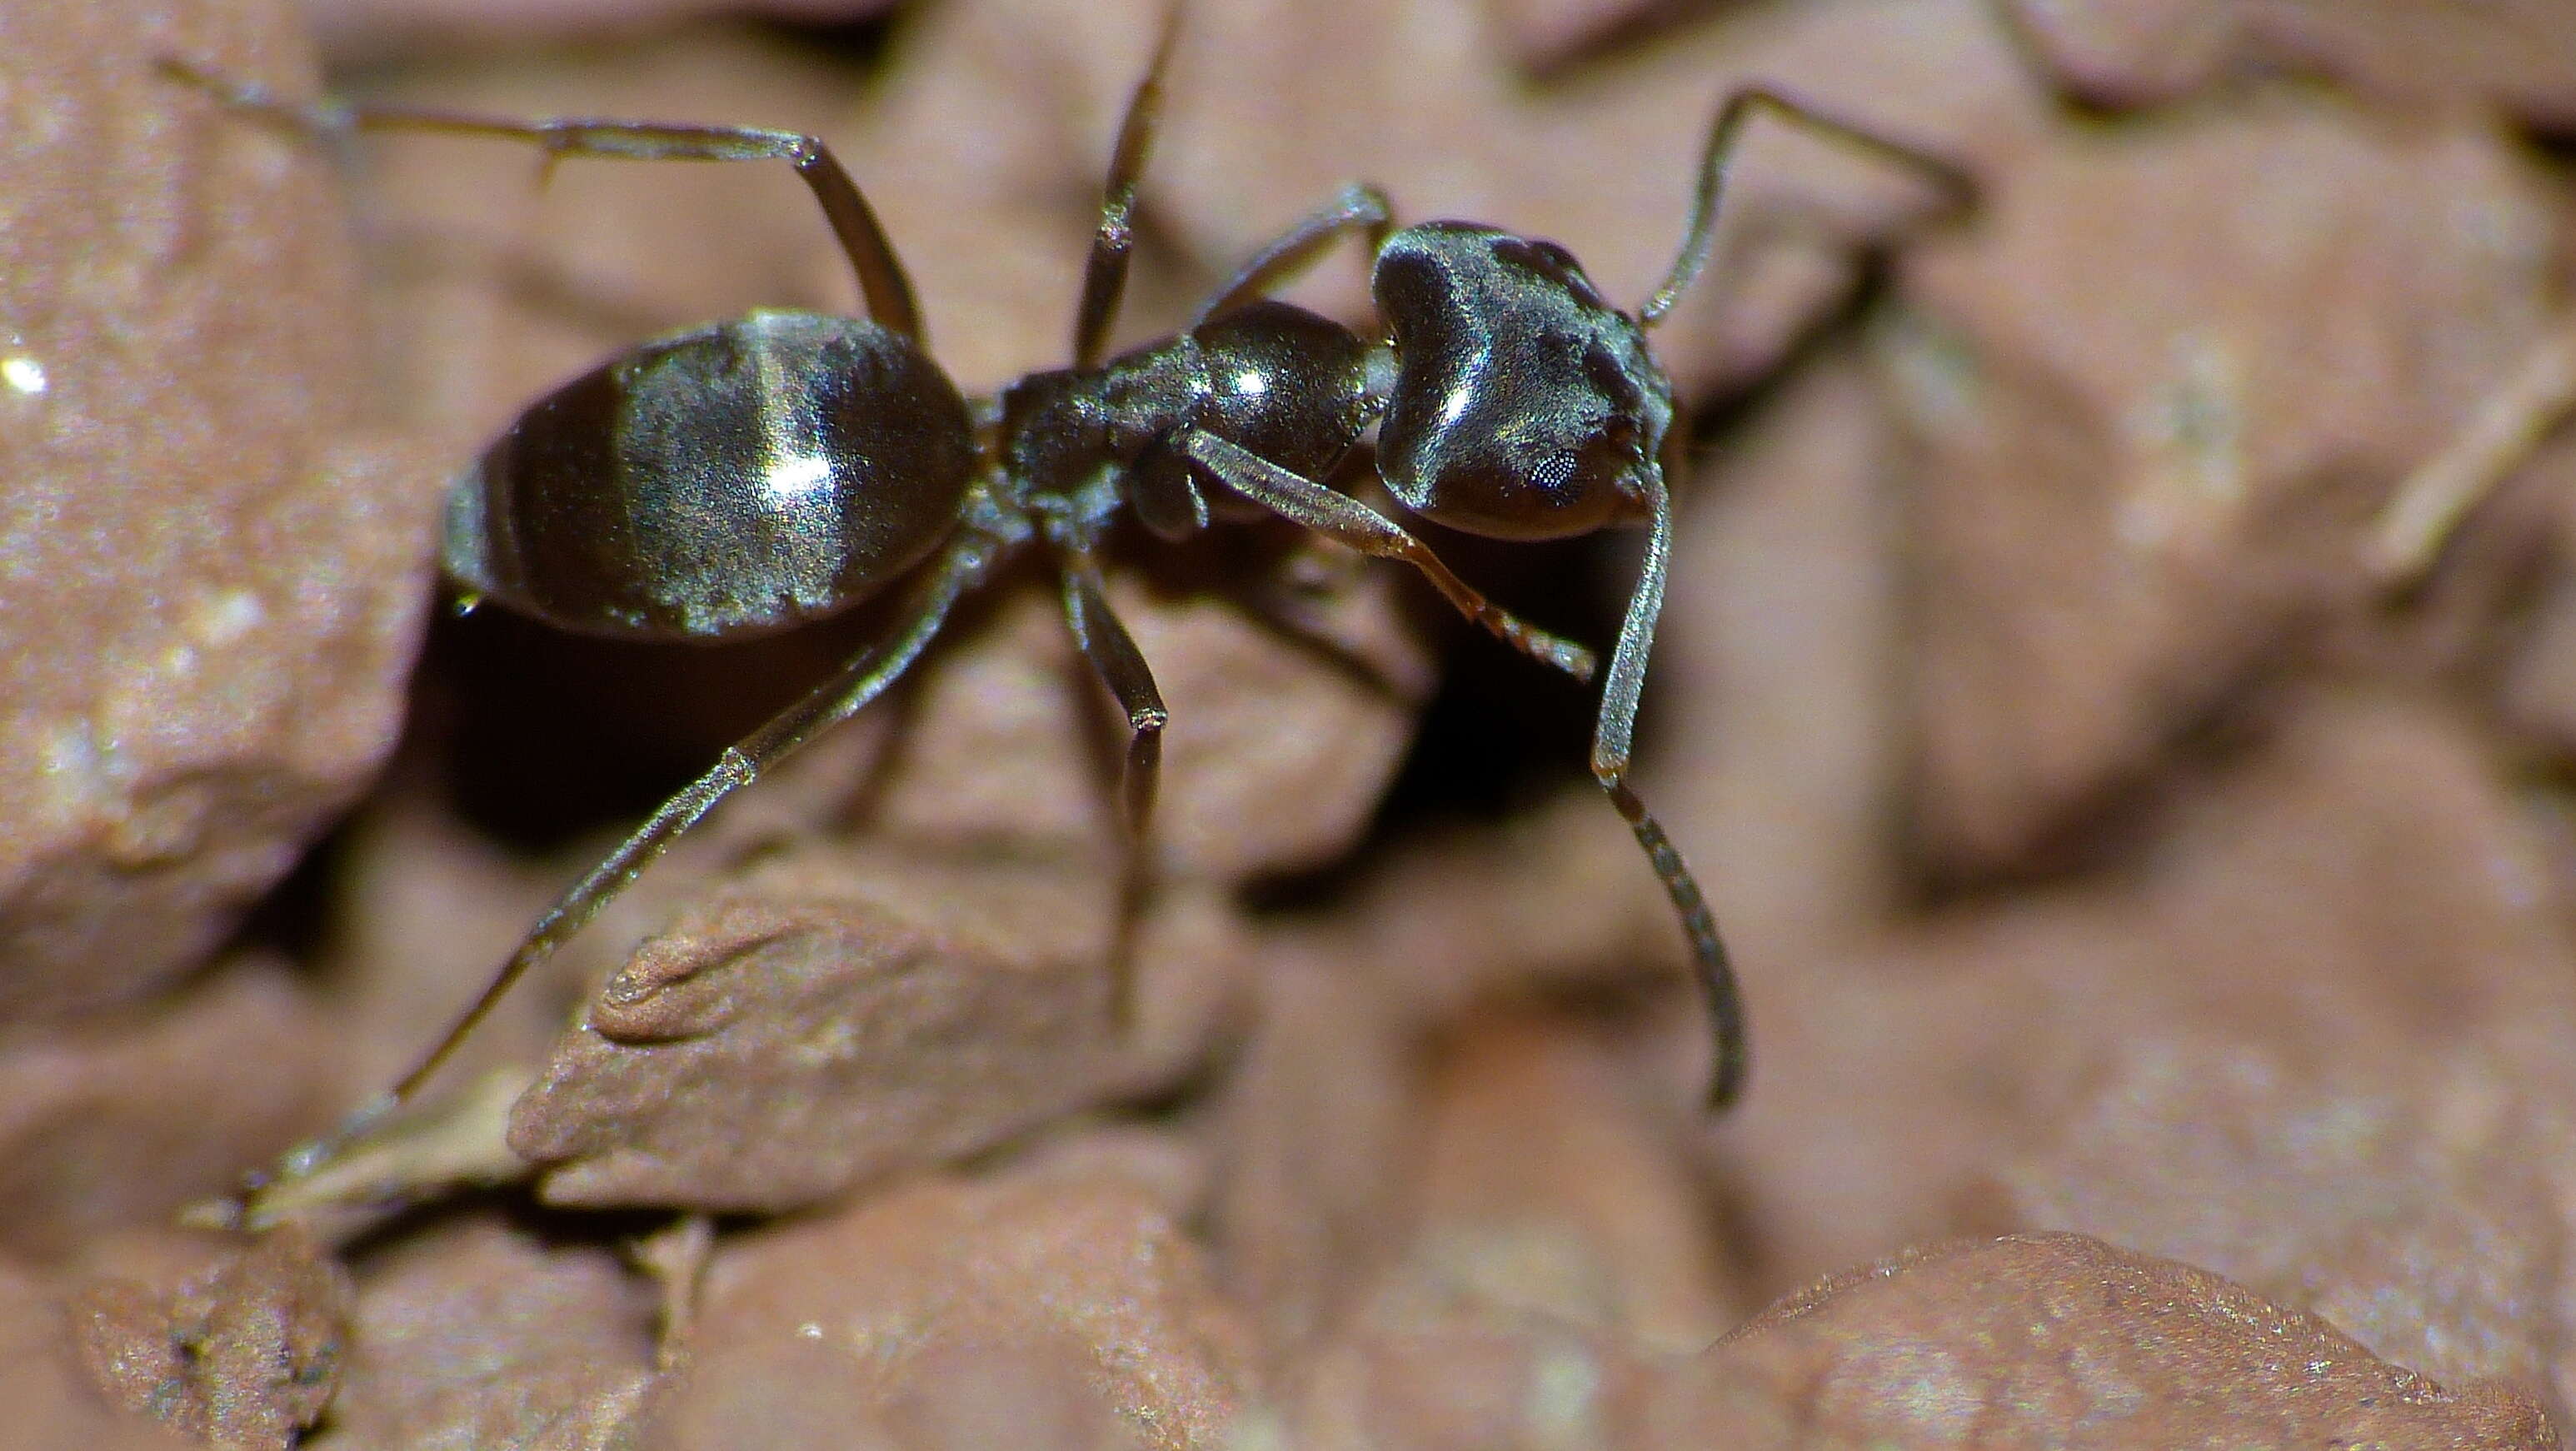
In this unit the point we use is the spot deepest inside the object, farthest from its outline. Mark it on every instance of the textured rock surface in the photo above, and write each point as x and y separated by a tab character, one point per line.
245	1354
53	1399
2416	1204
213	579
2060	1340
1072	1304
1282	736
2514	54
779	1048
484	1335
2140	476
2361	883
122	1120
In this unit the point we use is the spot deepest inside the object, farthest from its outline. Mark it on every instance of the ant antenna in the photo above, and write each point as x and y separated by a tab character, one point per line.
1620	692
1958	188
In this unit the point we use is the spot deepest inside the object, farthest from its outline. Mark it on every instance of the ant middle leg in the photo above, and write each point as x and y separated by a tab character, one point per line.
1122	668
1301	500
1104	642
881	276
1104	273
1358	206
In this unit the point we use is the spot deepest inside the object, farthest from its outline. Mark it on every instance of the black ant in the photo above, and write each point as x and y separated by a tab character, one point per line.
750	475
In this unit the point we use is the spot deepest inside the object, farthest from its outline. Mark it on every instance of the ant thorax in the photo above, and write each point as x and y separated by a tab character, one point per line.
1287	384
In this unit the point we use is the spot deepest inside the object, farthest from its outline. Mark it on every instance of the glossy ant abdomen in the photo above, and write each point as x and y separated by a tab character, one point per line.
719	483
746	476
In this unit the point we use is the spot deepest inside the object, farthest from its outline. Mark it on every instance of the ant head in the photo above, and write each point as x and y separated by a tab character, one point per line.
1524	406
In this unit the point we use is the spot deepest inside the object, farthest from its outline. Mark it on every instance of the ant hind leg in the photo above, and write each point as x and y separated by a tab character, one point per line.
849	690
882	279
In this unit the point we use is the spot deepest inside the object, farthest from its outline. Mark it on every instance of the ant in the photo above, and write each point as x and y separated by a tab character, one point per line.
749	475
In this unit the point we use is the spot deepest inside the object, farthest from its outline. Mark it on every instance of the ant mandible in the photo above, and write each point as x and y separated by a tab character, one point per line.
754	474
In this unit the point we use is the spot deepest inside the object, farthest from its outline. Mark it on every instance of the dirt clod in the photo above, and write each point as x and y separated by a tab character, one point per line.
2054	1340
943	1305
229	567
244	1355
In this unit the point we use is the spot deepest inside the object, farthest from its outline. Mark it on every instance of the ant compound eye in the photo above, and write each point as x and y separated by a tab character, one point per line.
1523	407
1559	475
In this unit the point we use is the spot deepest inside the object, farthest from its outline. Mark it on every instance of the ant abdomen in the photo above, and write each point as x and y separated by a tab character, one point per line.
720	482
1524	406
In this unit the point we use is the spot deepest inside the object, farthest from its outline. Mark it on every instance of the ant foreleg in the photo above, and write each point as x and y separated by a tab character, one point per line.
1958	187
882	280
1104	276
858	682
1358	205
1611	736
1301	500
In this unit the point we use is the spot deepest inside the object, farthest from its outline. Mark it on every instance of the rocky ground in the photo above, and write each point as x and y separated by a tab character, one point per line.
2118	686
